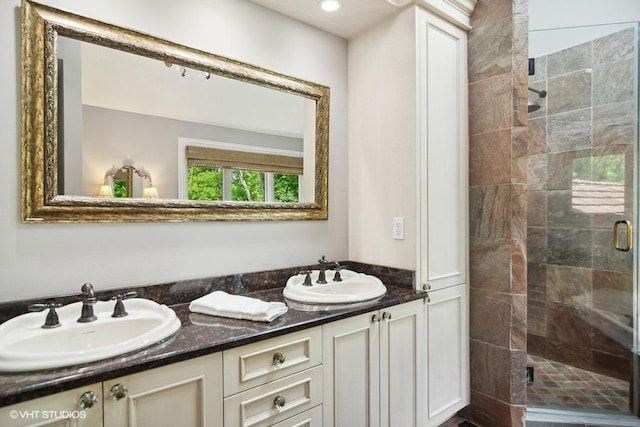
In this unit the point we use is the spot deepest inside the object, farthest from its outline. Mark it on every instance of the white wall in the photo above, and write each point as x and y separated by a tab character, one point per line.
38	260
382	142
555	25
122	81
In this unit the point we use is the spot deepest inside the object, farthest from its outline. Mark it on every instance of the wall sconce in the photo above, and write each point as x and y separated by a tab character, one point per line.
118	182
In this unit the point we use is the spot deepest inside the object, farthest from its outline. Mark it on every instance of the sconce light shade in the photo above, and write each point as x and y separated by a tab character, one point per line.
105	191
150	193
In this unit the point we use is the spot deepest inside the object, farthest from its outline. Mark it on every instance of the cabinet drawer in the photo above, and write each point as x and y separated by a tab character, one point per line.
310	418
276	401
256	364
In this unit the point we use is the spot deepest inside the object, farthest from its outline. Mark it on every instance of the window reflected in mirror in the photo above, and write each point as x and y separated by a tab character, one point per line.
239	185
219	171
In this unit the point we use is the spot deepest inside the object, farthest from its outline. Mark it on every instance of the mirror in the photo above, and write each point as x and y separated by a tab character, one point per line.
223	140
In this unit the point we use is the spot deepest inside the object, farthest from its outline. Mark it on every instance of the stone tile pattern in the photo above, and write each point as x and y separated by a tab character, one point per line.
579	287
498	172
563	386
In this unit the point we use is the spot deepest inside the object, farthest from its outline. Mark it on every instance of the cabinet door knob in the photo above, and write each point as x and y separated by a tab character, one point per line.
278	359
375	318
426	287
386	316
88	400
119	391
279	402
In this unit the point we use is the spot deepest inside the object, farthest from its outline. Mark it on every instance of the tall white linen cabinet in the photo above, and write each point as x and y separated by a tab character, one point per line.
408	158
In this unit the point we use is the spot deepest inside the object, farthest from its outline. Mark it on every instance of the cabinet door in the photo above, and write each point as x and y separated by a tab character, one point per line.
401	365
351	371
58	410
185	394
443	136
447	353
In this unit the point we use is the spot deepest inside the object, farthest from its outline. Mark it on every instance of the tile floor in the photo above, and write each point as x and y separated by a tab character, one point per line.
457	421
562	386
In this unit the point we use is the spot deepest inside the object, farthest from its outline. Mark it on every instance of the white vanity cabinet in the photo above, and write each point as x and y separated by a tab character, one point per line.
372	368
364	371
185	394
275	382
80	407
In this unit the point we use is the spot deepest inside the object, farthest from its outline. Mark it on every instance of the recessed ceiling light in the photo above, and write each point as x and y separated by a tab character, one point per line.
330	5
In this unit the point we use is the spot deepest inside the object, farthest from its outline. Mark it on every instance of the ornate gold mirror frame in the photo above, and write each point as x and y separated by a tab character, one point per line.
41	201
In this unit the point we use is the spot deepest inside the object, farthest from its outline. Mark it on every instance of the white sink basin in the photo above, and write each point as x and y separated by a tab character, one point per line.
26	346
354	287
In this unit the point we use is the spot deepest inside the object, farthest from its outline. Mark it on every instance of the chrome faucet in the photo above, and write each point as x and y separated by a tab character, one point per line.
88	300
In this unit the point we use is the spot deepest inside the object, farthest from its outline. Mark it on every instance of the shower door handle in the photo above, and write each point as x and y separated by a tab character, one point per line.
616	235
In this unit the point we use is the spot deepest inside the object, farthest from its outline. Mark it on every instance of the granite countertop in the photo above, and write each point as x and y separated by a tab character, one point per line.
199	335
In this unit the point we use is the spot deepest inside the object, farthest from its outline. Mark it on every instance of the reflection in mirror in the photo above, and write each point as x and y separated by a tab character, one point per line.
122	182
117	104
231	172
95	92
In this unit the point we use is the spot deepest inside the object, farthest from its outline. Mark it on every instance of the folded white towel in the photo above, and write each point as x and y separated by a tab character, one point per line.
220	303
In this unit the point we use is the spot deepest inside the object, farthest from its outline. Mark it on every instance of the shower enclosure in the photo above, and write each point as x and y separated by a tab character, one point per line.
582	205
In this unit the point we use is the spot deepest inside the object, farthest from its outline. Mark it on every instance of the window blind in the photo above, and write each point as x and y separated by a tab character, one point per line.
229	159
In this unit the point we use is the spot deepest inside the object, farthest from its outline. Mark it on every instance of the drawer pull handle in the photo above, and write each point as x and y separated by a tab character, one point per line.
278	359
88	400
279	402
119	391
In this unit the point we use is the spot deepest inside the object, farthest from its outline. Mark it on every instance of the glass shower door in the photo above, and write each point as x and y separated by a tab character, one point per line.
582	292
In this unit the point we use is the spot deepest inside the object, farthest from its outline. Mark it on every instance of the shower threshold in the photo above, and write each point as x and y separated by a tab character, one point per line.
580	417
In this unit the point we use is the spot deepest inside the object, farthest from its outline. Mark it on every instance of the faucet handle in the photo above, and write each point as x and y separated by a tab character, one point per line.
337	277
52	320
307	279
118	308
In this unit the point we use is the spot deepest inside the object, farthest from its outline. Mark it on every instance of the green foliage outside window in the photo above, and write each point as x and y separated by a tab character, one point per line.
607	168
206	184
247	186
119	189
285	188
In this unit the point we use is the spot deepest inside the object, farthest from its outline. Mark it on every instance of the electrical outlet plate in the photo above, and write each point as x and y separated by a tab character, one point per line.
398	228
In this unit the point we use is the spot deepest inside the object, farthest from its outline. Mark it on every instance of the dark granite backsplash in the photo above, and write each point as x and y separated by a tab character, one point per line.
185	291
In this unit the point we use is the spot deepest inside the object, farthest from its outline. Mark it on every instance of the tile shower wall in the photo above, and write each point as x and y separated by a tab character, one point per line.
579	287
497	200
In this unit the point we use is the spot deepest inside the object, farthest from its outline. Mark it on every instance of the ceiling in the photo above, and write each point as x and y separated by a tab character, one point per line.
352	18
